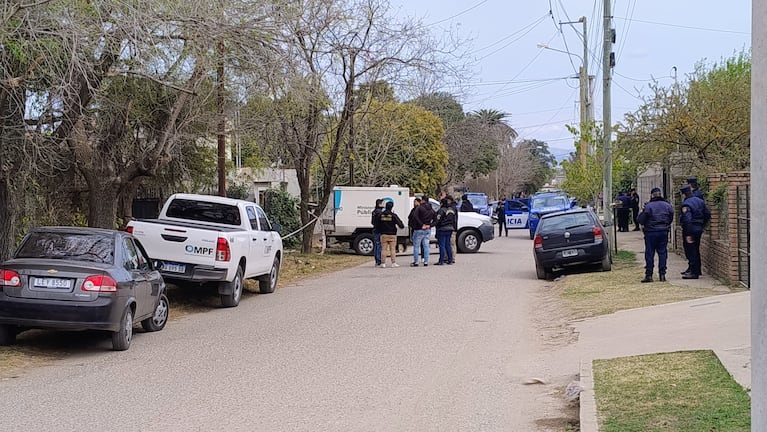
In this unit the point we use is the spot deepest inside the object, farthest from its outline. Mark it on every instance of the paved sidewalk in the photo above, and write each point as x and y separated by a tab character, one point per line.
720	323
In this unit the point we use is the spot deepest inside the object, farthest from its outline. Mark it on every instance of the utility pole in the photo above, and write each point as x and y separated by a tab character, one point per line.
585	91
607	64
758	206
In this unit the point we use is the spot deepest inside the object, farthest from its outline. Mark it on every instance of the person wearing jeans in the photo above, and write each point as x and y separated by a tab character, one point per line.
375	220
423	218
445	222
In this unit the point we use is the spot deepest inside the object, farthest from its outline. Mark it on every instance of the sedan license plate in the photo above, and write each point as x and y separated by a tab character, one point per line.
174	267
52	283
569	253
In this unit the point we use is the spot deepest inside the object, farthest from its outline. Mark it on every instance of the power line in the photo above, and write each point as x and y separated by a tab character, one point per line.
683	26
535	24
490	83
653	79
459	13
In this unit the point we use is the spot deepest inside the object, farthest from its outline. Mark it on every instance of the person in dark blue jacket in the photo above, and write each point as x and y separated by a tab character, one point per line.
693	183
624	211
695	214
656	218
375	218
446	222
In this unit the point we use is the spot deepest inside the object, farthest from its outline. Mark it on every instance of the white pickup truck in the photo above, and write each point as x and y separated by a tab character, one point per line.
202	238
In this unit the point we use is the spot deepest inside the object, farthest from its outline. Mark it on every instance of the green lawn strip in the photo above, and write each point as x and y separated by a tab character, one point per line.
686	391
591	294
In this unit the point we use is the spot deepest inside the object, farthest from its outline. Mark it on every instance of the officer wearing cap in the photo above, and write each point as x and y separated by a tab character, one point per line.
693	183
695	214
656	218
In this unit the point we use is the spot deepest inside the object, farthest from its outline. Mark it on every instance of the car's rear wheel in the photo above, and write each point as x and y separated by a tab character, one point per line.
157	321
542	272
7	335
468	241
268	283
606	263
233	289
121	338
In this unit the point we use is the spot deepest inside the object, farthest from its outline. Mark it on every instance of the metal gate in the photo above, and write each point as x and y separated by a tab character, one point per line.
743	204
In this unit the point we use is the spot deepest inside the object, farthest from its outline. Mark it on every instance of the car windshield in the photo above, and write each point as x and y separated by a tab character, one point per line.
478	200
565	221
203	211
94	247
556	201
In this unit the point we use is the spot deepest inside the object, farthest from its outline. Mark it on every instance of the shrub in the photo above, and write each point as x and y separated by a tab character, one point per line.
282	208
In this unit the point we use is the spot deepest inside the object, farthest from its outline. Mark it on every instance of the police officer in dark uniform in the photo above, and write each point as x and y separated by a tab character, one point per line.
693	183
695	214
656	218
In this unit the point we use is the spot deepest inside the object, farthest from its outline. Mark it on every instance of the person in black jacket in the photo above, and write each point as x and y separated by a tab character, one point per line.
388	224
656	217
634	207
376	232
500	213
445	222
423	220
466	205
695	214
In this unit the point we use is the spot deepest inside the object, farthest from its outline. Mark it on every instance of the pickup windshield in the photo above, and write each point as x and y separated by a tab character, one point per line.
541	202
203	211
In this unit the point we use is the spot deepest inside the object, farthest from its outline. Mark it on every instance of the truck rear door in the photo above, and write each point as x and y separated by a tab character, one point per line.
178	246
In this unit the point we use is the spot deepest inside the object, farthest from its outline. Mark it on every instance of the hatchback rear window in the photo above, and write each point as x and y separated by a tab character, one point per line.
94	247
566	221
203	211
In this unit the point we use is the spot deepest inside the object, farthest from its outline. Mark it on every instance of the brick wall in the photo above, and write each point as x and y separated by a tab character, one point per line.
719	244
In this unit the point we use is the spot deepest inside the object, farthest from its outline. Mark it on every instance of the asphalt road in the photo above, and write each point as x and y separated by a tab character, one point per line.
398	349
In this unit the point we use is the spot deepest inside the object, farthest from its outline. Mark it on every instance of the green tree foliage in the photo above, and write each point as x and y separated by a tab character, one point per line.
704	121
541	165
444	105
400	144
282	208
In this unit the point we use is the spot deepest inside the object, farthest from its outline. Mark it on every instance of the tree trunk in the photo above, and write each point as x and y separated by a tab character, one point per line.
8	223
103	196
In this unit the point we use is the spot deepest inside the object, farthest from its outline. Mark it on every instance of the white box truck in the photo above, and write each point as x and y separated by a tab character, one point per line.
347	218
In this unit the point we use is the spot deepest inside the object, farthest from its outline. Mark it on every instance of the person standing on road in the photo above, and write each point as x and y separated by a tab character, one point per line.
656	218
388	224
424	217
695	214
412	222
466	205
634	207
500	212
451	202
445	223
623	211
374	219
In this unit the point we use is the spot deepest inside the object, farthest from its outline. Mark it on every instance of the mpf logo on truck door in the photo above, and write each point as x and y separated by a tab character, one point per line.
197	250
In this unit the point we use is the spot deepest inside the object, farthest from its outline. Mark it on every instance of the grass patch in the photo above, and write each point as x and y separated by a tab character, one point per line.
600	293
677	392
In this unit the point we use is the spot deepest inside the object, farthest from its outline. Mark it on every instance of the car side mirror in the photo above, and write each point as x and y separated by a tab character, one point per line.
525	208
276	226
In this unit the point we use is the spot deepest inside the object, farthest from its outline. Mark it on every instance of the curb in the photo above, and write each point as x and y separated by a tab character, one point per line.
588	409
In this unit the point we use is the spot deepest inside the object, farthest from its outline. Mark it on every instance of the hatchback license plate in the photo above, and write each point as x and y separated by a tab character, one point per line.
52	283
569	253
174	268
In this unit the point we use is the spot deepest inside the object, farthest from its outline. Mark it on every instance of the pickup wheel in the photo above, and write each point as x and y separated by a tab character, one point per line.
363	244
468	241
268	282
234	290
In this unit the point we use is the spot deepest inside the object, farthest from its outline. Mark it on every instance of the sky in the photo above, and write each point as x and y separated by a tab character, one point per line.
538	87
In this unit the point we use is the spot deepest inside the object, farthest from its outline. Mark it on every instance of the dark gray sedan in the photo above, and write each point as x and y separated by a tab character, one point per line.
570	238
72	278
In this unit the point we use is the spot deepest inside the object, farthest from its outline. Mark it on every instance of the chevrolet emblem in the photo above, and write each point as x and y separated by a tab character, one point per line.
53	271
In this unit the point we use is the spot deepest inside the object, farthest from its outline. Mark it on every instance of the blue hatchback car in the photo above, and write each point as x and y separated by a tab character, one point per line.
546	203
